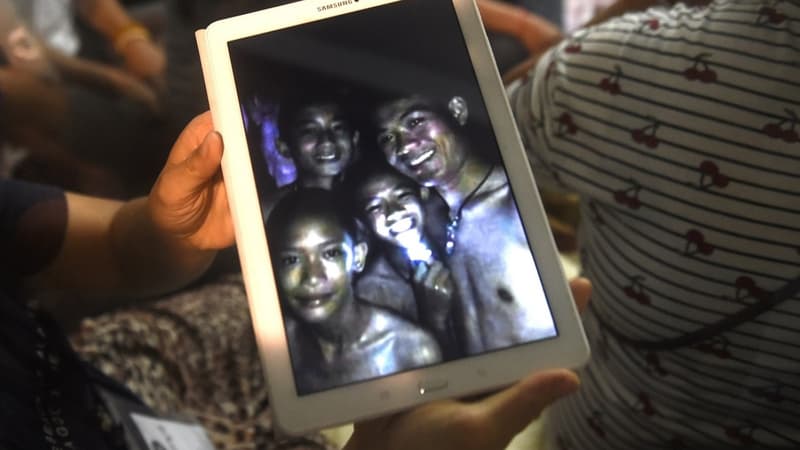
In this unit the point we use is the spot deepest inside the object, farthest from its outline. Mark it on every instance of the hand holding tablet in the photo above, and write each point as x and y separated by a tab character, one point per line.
485	425
392	241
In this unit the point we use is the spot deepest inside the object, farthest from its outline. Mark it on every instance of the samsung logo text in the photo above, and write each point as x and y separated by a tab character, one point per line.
334	5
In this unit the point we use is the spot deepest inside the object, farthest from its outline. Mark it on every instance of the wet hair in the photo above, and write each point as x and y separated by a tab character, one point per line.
478	136
324	94
417	103
311	203
368	169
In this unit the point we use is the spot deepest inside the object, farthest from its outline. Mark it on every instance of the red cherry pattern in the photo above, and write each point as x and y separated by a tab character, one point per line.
746	287
636	292
628	197
610	86
783	129
705	75
610	83
710	175
641	297
647	135
573	47
566	124
696	243
770	15
700	70
717	346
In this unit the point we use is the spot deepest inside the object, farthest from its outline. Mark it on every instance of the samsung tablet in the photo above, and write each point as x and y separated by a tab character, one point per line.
393	245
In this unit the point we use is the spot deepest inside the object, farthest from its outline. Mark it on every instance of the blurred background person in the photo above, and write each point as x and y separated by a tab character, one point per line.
83	122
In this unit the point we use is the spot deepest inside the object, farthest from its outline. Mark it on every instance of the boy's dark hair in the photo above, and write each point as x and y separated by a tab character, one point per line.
477	132
312	202
322	94
437	106
366	169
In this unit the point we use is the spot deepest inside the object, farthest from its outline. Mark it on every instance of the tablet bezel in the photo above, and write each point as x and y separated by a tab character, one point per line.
298	414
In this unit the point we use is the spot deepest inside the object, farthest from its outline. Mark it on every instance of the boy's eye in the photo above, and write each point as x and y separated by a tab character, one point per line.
333	253
306	129
372	208
289	260
415	122
385	139
405	194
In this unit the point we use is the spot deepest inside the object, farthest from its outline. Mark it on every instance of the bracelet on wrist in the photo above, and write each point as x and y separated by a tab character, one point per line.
129	34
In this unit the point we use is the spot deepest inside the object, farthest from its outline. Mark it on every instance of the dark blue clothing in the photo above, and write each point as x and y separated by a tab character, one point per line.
48	395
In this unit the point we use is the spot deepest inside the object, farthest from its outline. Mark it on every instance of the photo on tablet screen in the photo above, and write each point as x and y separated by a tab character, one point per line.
394	235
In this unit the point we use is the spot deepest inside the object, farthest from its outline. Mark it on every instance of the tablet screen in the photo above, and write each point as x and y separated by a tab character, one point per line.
393	232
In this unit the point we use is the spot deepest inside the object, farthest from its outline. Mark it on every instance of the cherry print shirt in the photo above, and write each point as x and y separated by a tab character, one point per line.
679	129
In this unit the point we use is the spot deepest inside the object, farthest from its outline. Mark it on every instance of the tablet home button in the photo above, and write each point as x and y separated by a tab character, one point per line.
429	386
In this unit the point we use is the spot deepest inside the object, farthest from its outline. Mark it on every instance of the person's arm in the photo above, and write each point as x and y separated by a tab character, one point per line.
488	424
616	9
534	32
114	251
104	77
28	56
130	39
534	28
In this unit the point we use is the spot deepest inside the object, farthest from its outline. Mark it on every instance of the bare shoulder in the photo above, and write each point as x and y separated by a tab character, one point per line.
419	346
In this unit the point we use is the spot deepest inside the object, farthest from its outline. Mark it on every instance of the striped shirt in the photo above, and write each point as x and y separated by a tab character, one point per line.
679	130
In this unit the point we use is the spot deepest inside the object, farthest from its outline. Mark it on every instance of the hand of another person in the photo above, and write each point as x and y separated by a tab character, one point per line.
189	199
144	59
488	424
434	287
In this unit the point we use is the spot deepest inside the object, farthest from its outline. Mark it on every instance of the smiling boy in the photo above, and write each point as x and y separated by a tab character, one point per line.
319	137
334	338
408	275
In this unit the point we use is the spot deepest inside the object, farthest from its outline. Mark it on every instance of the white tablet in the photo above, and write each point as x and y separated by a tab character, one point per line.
393	245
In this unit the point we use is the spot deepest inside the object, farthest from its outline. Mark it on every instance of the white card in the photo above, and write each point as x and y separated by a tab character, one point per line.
164	434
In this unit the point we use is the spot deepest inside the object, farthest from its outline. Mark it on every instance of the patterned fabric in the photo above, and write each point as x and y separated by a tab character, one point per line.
679	130
193	353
